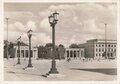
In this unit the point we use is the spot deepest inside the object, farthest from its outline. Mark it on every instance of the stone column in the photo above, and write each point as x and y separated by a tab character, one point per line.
24	54
69	53
83	53
34	54
37	53
76	54
66	54
72	54
80	54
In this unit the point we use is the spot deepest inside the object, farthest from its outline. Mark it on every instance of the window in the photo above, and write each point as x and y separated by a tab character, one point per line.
96	50
102	50
111	45
99	45
96	45
114	45
102	45
96	54
99	50
99	54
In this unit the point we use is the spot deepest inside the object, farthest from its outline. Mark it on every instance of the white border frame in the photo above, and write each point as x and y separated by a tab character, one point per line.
54	82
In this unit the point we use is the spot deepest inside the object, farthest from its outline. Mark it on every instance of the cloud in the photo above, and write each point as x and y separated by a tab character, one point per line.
17	26
12	35
73	39
41	38
31	25
91	27
77	22
44	25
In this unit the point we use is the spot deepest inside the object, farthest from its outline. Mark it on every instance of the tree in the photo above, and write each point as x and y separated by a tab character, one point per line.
61	51
73	46
61	45
5	49
49	45
11	50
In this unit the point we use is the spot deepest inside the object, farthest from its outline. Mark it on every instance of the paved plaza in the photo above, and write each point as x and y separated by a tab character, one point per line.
75	70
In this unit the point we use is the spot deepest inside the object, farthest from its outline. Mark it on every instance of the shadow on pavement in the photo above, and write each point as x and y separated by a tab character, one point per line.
10	72
110	71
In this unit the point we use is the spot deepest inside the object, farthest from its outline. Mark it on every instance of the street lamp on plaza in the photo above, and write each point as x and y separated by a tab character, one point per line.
53	18
29	33
18	53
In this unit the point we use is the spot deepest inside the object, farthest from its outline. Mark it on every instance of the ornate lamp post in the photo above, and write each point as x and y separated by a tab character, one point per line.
53	21
29	33
18	42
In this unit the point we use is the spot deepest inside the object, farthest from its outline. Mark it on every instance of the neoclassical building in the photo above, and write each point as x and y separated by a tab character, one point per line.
24	51
96	48
74	53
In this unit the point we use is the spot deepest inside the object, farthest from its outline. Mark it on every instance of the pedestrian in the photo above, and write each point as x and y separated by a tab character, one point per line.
68	59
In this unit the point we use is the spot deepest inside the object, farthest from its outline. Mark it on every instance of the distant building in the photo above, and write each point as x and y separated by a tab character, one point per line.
46	52
96	48
24	51
74	53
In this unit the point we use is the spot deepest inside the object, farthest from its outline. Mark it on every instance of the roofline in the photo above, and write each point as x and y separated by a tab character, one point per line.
98	40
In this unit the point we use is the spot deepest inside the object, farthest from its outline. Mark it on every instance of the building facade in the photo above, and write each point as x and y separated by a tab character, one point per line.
46	52
74	53
24	51
100	49
95	48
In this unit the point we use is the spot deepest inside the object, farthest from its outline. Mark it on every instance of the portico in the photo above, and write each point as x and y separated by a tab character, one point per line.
24	51
74	53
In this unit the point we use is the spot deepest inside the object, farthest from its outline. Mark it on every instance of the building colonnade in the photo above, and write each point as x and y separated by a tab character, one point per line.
74	53
24	52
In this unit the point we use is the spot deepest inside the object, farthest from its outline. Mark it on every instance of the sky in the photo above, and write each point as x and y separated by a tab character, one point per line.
77	23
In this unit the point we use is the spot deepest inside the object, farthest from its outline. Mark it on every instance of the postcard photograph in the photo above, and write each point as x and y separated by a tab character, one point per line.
60	41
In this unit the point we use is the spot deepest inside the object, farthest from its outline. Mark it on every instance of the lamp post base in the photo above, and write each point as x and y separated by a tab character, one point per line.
18	63
53	69
29	65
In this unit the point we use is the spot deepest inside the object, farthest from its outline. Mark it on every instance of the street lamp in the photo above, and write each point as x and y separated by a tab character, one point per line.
18	53
29	33
53	21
